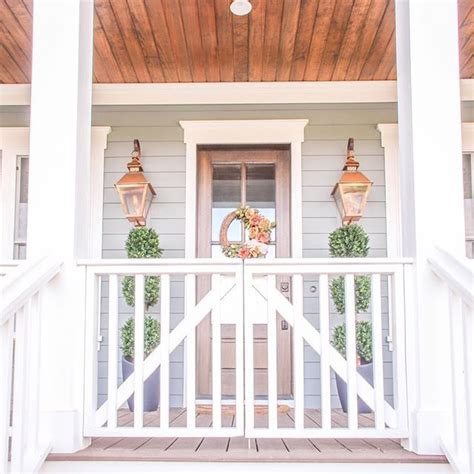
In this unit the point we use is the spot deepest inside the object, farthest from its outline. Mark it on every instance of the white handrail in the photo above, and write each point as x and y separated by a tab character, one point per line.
458	277
20	310
23	282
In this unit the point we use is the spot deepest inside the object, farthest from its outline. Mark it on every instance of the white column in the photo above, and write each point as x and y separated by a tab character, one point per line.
14	142
59	215
431	189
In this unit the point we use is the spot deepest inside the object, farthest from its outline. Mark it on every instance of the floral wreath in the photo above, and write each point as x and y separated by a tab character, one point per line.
259	227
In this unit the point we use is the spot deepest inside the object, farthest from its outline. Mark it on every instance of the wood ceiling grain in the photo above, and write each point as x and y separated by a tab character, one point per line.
201	41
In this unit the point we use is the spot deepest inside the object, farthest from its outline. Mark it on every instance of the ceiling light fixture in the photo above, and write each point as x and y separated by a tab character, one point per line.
240	7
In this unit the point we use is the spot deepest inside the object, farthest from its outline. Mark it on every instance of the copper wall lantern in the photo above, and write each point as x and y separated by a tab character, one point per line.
352	189
135	191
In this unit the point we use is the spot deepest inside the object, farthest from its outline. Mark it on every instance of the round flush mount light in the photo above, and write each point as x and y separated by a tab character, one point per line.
240	7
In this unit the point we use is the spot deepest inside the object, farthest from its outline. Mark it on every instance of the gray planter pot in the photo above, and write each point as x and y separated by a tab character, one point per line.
366	371
151	387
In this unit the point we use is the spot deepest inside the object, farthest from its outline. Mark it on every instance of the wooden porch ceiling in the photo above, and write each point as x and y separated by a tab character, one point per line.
201	41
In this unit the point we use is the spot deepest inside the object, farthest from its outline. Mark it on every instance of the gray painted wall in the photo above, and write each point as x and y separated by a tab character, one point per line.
163	153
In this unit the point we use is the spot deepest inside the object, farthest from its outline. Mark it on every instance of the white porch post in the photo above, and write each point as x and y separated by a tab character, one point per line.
431	184
60	130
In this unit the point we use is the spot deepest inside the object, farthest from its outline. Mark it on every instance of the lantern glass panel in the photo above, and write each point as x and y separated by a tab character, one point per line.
148	198
354	198
132	199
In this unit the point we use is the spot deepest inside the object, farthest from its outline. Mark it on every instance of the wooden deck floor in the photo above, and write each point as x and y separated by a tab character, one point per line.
239	449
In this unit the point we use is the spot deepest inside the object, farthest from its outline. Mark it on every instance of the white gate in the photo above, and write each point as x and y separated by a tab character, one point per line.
248	290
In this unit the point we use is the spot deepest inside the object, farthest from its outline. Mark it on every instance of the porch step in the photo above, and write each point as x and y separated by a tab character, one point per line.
241	468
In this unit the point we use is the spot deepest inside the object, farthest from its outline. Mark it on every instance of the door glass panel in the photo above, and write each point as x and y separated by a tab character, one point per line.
260	191
226	197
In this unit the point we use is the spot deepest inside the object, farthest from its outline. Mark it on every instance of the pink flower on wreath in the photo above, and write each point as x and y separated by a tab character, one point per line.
249	213
244	252
253	232
256	220
263	237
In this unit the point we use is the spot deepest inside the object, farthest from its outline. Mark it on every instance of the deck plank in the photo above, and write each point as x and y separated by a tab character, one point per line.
241	449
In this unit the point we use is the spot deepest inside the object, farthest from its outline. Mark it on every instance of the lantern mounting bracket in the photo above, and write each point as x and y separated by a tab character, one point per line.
135	164
351	163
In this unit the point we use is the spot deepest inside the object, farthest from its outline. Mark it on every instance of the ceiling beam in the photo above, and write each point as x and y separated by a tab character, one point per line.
234	93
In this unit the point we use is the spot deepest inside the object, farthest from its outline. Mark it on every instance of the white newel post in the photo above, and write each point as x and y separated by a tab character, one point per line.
431	189
60	138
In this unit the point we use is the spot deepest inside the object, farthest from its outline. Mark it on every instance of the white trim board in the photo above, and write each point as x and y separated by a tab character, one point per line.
244	132
234	93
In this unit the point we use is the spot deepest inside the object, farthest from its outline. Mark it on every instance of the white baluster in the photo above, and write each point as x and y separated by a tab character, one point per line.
325	348
377	352
249	362
6	365
91	350
239	351
165	351
399	355
298	351
351	355
190	301
139	349
272	354
20	374
112	353
216	355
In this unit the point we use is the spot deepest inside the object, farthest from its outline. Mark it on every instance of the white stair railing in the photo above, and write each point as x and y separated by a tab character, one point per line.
20	325
225	282
458	278
260	277
228	284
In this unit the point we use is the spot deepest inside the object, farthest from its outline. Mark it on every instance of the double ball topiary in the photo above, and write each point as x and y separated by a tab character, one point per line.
142	242
350	241
127	337
363	340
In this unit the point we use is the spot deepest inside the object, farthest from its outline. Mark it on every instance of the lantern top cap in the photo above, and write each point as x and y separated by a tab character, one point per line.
351	163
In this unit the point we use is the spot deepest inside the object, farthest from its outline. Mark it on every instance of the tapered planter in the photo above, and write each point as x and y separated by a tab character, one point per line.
151	388
366	371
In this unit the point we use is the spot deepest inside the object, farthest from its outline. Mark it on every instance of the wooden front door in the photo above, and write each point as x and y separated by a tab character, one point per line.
228	177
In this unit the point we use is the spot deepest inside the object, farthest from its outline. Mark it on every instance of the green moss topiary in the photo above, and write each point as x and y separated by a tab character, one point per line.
127	336
362	293
363	340
349	241
142	242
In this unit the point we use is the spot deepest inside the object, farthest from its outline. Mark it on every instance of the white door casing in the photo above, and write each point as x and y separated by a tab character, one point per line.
244	132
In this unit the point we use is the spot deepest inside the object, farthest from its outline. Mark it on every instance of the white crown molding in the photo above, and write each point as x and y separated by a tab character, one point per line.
234	93
218	132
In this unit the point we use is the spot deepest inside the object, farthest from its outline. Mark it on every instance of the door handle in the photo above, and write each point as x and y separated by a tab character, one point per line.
285	286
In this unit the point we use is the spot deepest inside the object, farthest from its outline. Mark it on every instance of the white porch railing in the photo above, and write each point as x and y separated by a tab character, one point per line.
20	325
458	278
254	283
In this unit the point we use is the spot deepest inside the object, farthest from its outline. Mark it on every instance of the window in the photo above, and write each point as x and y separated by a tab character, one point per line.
468	175
21	207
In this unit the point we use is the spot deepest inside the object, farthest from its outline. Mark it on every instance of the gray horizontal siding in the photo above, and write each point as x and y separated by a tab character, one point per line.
163	156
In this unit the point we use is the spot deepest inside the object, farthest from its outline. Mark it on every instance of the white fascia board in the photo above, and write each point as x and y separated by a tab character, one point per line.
234	93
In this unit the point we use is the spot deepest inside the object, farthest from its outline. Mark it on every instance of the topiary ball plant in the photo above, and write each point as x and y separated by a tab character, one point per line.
350	241
142	242
127	337
363	340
